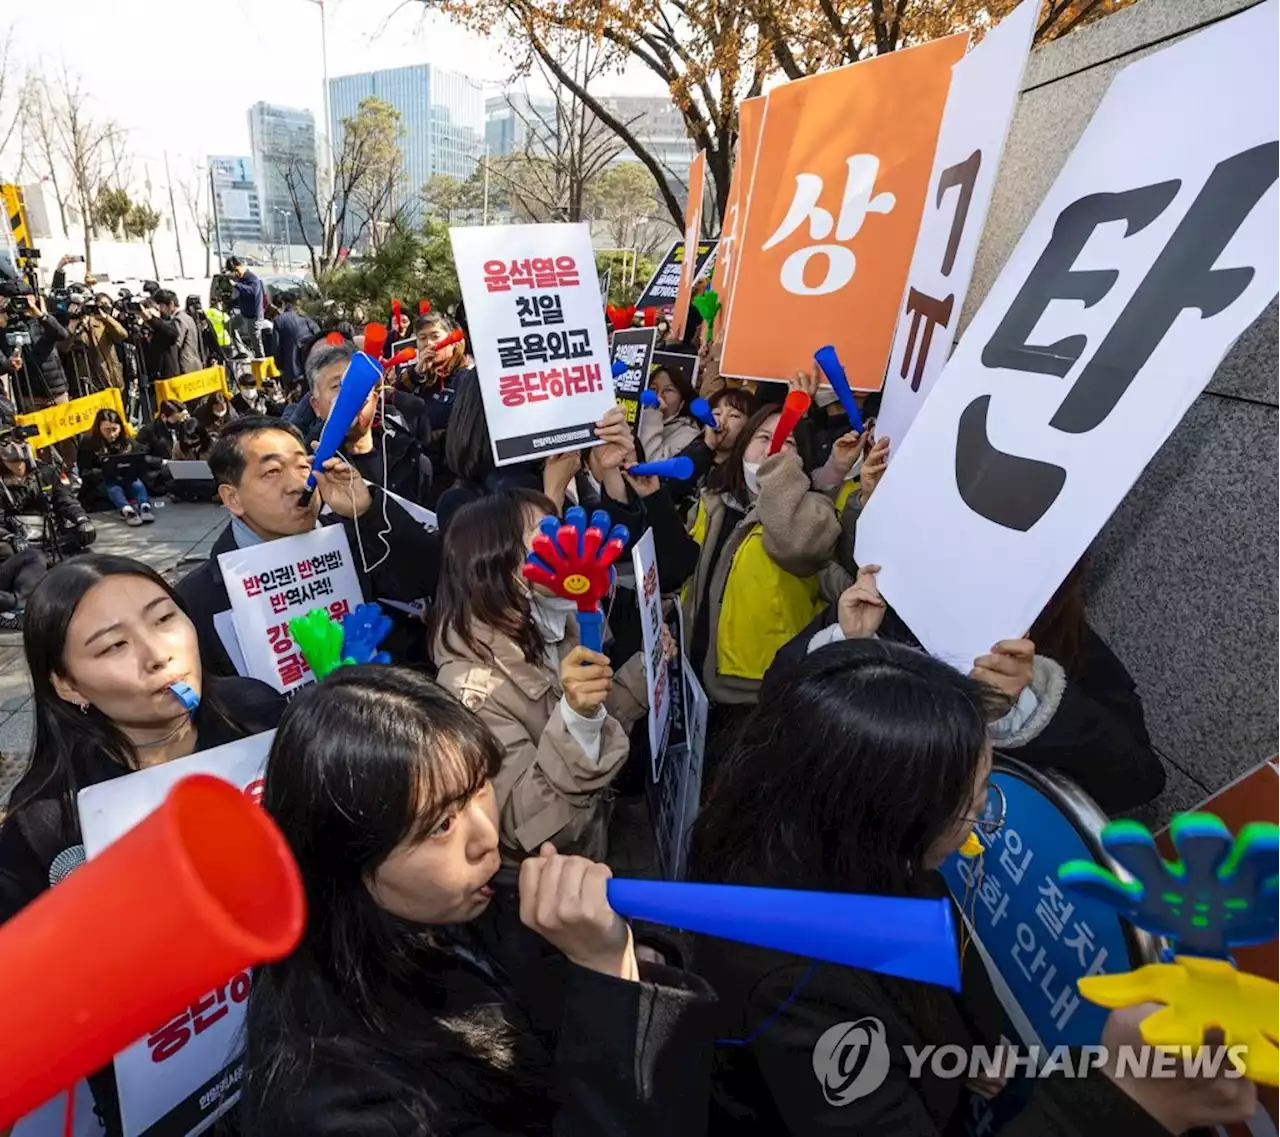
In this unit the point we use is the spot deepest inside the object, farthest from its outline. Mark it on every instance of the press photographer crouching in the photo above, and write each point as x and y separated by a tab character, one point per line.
32	493
21	568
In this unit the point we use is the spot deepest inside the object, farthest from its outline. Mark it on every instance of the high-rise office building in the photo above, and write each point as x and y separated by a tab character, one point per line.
657	124
283	142
515	123
441	119
235	196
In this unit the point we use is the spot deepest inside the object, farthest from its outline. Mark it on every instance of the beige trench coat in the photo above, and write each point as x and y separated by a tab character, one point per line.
548	789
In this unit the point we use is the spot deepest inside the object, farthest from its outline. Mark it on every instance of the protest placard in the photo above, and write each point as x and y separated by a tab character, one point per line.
271	583
661	290
692	230
1154	250
674	801
538	335
645	562
984	91
829	232
750	116
185	1072
634	347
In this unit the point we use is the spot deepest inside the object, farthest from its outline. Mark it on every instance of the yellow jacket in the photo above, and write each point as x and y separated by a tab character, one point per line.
763	587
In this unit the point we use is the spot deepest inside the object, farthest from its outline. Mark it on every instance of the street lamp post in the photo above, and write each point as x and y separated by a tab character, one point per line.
288	244
328	136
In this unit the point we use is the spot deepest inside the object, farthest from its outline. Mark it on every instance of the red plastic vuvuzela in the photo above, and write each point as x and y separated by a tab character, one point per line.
395	314
793	410
201	889
455	336
424	306
404	355
375	339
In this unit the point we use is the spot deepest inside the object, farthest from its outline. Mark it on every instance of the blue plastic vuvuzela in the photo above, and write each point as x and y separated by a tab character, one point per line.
649	398
833	369
679	467
362	373
701	410
620	368
890	935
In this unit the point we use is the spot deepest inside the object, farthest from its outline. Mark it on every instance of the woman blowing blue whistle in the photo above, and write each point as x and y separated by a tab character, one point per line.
118	686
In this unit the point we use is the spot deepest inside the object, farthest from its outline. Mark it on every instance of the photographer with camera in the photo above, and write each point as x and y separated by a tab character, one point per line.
31	337
33	489
91	349
160	341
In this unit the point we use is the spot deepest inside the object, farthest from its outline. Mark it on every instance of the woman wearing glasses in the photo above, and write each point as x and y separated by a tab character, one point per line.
884	780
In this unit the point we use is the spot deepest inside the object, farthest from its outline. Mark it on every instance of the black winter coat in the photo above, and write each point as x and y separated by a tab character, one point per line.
39	492
782	1004
1097	735
46	379
535	1046
409	572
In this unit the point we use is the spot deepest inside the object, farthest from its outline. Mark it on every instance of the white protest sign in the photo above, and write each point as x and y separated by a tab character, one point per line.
1155	249
538	335
271	583
975	124
183	1073
645	562
675	800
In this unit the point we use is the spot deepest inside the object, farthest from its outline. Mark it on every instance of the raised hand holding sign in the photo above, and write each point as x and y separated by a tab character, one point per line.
574	560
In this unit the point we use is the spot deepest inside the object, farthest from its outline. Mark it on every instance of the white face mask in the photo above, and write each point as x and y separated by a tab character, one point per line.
750	472
825	396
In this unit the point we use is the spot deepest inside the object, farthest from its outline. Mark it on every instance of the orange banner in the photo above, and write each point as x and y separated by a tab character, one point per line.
750	115
829	232
692	233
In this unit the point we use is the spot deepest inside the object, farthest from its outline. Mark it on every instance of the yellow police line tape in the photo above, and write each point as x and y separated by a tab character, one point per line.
66	420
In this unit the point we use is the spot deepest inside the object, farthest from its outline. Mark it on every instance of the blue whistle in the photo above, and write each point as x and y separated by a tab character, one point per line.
186	696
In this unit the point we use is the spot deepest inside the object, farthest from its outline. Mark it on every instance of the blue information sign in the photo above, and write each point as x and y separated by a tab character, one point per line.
1040	939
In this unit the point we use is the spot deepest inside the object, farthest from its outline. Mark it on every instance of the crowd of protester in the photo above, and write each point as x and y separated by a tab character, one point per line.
840	756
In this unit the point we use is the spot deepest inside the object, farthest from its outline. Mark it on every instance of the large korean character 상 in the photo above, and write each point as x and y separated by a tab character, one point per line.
858	200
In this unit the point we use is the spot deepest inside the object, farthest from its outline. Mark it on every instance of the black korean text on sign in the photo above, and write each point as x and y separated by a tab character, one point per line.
926	311
1015	491
551	347
539	311
634	347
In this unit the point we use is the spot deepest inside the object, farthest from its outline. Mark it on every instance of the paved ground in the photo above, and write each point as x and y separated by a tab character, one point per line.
181	532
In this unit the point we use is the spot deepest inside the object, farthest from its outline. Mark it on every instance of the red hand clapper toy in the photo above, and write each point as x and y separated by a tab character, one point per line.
575	561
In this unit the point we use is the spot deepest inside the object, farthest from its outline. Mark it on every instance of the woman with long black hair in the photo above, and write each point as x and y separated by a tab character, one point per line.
419	1001
105	640
885	780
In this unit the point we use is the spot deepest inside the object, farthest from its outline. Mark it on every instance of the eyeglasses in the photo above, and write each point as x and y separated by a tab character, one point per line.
993	812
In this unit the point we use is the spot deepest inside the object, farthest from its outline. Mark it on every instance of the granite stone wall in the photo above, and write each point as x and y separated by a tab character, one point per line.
1184	576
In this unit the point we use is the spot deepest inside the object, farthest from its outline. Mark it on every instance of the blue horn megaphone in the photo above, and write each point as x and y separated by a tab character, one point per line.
680	467
833	369
362	373
890	935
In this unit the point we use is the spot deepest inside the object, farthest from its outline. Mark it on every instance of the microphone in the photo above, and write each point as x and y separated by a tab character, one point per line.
65	863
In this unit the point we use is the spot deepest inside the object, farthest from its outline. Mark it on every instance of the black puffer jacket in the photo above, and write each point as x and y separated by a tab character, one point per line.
42	372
